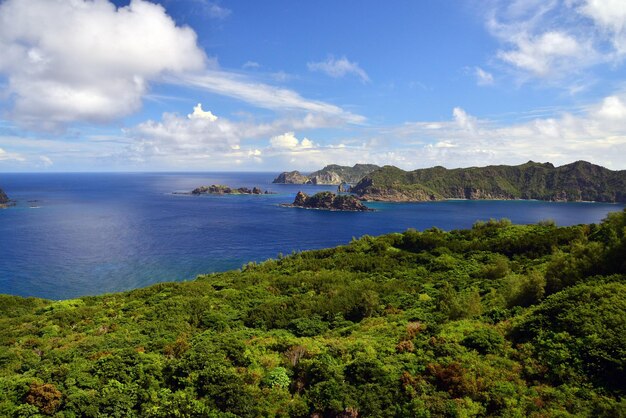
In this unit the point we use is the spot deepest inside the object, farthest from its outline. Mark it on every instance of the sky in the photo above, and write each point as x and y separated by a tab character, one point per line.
234	85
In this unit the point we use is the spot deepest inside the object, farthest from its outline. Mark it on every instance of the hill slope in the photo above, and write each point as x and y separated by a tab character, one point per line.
499	320
579	181
331	174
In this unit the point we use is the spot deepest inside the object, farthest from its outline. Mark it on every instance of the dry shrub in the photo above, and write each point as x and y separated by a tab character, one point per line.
44	396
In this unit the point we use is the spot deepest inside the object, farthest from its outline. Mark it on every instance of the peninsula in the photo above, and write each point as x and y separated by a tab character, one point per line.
331	174
221	189
575	182
328	201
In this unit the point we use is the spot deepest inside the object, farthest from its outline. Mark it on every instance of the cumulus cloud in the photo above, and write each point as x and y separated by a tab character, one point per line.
198	113
87	60
176	140
598	134
289	141
338	68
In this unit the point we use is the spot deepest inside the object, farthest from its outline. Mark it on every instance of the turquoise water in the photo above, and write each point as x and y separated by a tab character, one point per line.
86	234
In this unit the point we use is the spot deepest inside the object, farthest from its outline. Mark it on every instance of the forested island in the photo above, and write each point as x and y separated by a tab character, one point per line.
328	201
332	174
498	320
579	181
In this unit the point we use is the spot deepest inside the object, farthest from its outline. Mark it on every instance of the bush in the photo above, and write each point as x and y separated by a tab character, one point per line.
484	340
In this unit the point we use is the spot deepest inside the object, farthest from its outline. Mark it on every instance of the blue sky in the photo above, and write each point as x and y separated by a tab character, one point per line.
115	86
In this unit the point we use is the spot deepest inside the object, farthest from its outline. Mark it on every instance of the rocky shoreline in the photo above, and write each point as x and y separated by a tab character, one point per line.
328	201
220	189
5	202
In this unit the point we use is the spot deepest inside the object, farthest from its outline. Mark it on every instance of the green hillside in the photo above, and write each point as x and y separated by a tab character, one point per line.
499	320
579	181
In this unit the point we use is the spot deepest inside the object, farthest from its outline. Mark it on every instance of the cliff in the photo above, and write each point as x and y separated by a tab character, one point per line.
331	174
328	201
579	181
291	177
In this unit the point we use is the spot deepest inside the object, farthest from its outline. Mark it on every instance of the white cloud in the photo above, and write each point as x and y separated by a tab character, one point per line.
198	113
558	39
464	120
610	17
543	54
289	141
68	60
46	161
7	156
612	108
597	135
483	78
251	64
218	12
338	68
264	95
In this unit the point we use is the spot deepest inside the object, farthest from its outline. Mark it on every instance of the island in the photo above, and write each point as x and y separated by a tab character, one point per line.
328	201
4	199
575	182
221	189
330	175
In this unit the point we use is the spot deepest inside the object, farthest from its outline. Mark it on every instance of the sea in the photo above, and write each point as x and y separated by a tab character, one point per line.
77	234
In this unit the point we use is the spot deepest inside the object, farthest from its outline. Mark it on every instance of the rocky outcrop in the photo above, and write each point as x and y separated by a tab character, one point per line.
328	201
220	189
579	181
4	199
330	175
343	188
291	177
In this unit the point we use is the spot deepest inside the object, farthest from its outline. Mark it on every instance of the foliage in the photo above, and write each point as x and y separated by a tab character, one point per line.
572	182
497	320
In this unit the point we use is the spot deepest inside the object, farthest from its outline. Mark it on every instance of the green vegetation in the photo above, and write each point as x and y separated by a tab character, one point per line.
579	181
499	320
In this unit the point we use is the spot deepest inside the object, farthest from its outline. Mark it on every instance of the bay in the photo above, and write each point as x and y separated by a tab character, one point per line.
75	234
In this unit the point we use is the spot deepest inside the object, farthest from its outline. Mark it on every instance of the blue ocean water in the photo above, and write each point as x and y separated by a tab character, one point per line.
86	234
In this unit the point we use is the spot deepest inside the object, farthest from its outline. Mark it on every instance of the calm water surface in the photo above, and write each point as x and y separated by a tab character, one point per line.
85	234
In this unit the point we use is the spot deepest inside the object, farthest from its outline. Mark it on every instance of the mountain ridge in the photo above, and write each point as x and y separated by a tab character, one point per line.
577	181
331	174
